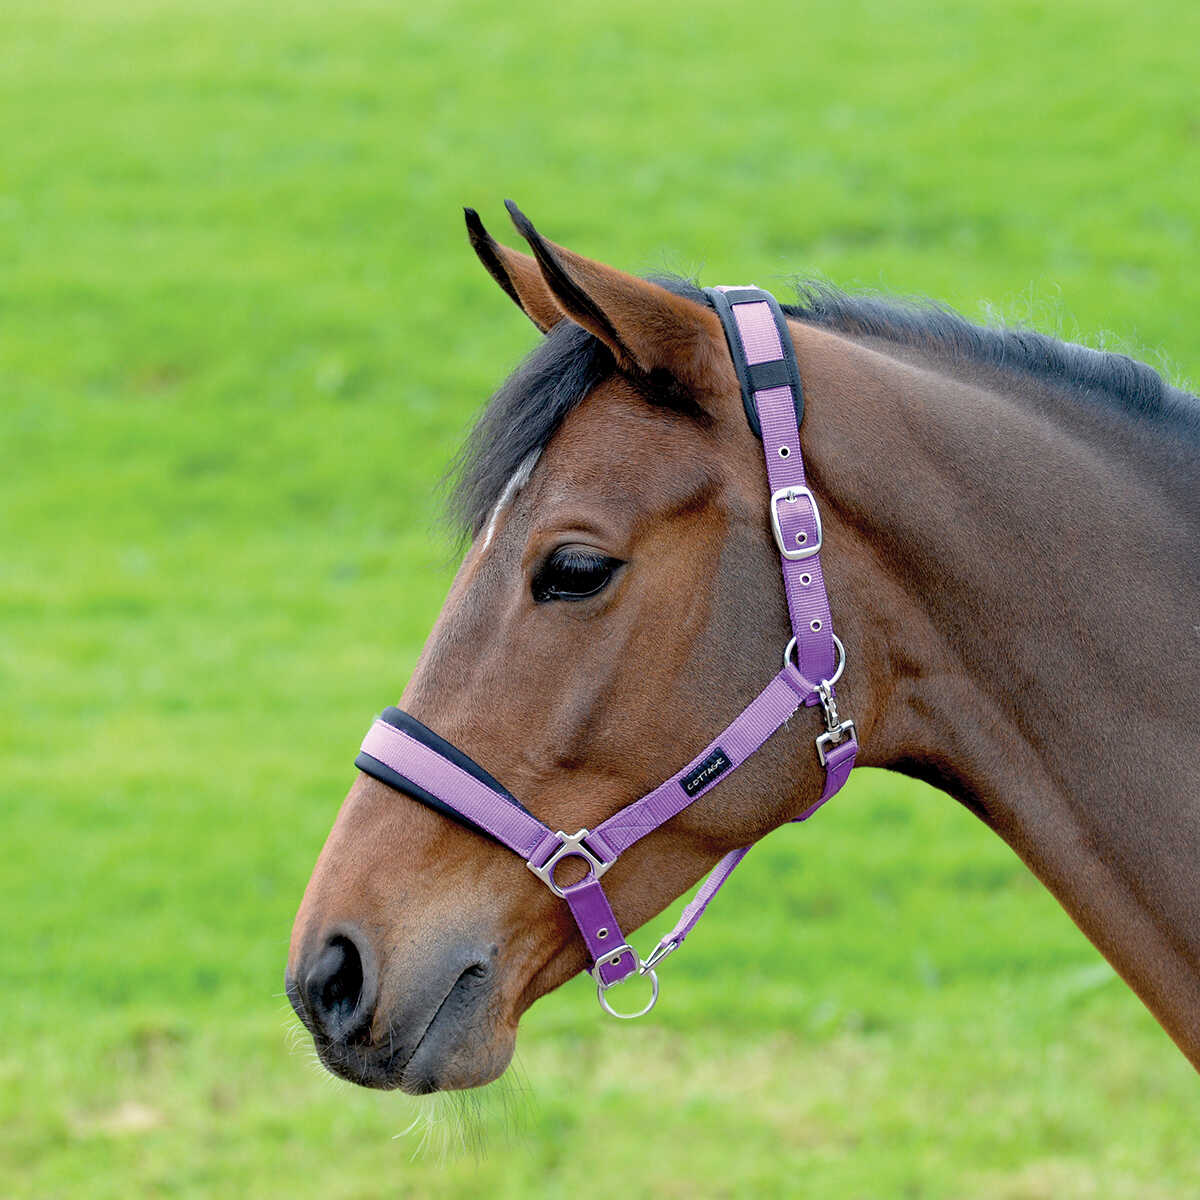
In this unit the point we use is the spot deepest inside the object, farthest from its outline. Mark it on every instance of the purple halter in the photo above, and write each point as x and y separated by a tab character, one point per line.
401	752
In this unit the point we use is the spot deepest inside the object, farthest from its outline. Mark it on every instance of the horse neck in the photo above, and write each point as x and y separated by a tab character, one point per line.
1020	590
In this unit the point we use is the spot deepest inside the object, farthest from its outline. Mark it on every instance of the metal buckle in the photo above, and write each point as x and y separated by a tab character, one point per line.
791	495
610	958
602	988
572	845
644	967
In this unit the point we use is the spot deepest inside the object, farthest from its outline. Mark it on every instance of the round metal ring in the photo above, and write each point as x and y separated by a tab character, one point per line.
789	658
612	1012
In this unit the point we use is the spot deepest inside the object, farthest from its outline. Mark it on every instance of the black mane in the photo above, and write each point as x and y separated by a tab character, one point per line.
569	362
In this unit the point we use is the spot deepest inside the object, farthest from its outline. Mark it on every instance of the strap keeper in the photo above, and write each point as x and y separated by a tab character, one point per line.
723	302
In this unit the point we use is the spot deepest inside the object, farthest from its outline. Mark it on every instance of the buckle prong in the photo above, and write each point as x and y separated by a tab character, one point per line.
610	958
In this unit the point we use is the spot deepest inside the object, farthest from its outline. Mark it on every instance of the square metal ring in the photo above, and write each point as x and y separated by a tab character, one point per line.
572	847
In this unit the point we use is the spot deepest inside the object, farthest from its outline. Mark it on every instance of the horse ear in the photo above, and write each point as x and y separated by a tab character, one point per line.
516	273
647	328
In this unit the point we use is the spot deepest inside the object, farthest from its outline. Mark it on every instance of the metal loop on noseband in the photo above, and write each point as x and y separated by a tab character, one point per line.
602	994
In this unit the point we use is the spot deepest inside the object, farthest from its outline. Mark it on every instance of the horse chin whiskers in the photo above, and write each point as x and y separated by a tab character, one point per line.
446	1126
457	1124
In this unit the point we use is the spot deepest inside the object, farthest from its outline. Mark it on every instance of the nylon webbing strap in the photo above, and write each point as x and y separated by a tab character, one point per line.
757	334
765	363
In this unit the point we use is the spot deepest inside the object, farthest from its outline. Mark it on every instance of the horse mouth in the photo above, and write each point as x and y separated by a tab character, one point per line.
454	1049
459	1030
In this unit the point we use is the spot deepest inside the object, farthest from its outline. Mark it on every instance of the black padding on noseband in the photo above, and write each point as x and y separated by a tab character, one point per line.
759	376
377	770
401	720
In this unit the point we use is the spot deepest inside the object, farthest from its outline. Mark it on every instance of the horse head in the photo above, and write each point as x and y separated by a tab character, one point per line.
618	605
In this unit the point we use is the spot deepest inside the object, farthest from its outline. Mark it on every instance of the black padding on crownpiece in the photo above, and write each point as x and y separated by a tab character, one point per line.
782	372
720	302
742	295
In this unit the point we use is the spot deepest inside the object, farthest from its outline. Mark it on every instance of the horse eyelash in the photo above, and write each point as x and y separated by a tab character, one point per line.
567	560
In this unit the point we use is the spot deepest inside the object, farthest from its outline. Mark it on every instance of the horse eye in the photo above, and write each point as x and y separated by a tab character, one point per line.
573	574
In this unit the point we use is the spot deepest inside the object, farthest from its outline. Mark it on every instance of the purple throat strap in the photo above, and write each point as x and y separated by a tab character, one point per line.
402	753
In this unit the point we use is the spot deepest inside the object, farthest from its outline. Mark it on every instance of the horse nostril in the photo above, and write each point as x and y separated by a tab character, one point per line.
341	988
340	993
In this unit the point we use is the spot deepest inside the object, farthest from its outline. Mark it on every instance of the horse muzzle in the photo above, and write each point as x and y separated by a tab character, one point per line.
370	1028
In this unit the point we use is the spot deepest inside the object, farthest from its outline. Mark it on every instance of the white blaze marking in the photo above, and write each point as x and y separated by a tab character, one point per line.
511	488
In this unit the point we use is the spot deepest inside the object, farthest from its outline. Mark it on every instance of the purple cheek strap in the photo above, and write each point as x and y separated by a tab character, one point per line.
401	752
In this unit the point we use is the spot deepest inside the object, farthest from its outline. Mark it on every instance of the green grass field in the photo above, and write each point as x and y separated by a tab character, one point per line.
241	334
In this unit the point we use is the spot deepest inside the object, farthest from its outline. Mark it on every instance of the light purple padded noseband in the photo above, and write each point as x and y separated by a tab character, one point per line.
402	753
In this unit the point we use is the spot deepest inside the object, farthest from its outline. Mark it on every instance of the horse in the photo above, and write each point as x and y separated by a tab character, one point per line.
1011	536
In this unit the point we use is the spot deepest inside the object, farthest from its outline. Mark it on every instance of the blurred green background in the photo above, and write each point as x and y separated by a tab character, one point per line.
241	334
